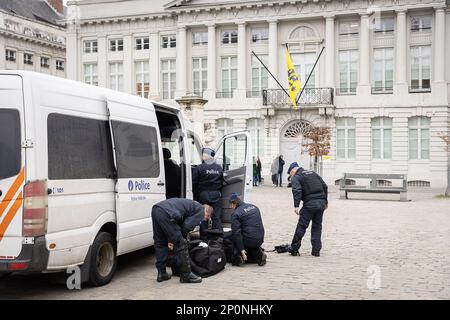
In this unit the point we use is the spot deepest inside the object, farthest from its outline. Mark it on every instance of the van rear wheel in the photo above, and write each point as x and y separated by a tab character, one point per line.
103	259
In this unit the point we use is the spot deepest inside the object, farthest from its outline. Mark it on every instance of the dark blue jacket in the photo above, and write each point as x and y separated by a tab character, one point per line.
247	226
308	186
207	177
185	212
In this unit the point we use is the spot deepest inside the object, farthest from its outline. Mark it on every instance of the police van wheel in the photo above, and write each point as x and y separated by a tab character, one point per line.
103	259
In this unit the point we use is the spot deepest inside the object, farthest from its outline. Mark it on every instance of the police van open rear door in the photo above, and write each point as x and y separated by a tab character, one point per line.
140	173
12	167
234	154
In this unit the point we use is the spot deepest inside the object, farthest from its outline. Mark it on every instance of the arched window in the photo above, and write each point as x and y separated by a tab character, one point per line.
382	138
419	138
256	128
303	33
224	126
297	129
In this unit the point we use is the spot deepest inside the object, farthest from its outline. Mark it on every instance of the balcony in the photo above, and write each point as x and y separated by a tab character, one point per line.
310	97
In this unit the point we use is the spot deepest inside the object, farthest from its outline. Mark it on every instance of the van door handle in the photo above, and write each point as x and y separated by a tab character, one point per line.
160	184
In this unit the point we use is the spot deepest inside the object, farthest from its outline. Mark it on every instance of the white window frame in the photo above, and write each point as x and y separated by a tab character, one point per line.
229	89
47	64
59	65
383	62
199	38
382	28
303	67
423	23
10	55
116	45
263	75
168	41
224	126
116	76
348	62
90	46
421	58
259	35
142	43
142	78
256	128
90	73
420	127
229	37
349	125
28	59
349	29
384	125
171	76
202	73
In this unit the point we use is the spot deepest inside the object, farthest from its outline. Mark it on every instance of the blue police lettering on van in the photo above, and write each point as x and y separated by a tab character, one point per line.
138	185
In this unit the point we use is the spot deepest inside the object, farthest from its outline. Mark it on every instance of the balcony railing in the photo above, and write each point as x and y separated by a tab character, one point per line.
311	97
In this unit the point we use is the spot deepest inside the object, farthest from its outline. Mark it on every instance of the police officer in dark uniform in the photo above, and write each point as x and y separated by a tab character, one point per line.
247	233
173	219
207	179
309	187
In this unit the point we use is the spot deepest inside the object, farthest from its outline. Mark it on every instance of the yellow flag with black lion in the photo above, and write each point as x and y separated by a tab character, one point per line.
294	80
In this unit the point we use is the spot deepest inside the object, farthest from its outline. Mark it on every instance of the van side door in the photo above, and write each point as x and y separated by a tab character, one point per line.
140	173
234	154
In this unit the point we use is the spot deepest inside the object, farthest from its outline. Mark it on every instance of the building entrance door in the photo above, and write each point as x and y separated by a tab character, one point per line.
291	144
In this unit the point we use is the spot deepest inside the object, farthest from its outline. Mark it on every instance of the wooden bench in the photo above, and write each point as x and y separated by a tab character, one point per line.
375	186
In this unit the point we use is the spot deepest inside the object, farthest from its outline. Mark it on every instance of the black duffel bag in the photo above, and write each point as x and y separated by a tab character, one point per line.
207	261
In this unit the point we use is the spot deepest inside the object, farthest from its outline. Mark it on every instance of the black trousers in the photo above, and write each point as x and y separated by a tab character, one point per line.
164	231
212	198
311	211
251	246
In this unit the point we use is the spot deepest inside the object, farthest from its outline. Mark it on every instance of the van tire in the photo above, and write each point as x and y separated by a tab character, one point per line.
103	259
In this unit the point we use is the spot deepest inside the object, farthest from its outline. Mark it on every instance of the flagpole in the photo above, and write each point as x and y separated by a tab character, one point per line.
309	76
276	80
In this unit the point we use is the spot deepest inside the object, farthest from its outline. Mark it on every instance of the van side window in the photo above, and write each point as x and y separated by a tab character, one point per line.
137	150
10	148
79	148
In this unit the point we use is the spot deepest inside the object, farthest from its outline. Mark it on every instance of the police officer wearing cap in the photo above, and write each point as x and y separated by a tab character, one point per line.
309	187
173	219
207	179
247	233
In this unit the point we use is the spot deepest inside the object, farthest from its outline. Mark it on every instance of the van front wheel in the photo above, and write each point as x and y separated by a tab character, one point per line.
103	259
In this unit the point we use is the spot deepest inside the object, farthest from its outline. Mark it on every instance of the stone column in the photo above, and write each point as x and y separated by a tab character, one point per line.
439	45
212	63
128	64
154	67
3	60
330	52
364	56
241	90
401	84
72	53
194	106
181	62
273	53
102	62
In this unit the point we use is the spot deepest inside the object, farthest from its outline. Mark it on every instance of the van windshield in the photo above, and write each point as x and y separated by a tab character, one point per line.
9	143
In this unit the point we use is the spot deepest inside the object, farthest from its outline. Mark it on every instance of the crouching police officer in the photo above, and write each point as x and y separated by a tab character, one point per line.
308	186
207	179
247	233
172	220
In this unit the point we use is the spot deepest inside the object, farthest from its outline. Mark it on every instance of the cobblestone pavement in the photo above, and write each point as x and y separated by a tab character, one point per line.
408	243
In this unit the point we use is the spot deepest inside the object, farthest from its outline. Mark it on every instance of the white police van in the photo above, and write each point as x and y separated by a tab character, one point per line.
81	168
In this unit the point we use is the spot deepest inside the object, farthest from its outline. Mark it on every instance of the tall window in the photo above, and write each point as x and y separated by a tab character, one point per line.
45	62
384	26
200	75
229	76
303	63
28	59
142	78
346	138
349	29
348	73
116	45
142	43
168	70
91	74
224	126
256	128
60	65
421	68
168	41
260	35
199	38
229	36
90	46
382	138
10	55
260	76
116	76
383	69
419	138
421	23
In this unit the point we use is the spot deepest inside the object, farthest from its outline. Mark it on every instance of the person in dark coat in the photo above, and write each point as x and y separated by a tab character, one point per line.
281	163
173	219
207	179
258	170
309	187
172	174
247	233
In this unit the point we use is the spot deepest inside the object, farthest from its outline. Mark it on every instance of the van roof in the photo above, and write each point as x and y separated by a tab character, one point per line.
109	94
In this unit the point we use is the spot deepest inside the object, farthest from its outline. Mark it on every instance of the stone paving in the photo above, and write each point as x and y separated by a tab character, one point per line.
373	248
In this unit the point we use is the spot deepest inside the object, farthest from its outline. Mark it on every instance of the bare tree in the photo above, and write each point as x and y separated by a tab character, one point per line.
317	145
446	139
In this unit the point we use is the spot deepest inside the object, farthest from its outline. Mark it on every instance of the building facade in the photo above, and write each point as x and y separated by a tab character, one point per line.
30	37
381	86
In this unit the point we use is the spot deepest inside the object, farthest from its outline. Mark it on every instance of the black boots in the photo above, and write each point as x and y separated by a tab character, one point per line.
163	276
315	253
186	276
293	252
263	260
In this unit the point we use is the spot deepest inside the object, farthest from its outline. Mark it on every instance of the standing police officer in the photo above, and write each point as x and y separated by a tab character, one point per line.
309	187
207	179
247	233
172	220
